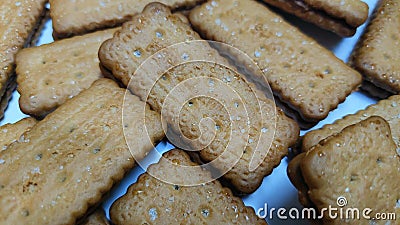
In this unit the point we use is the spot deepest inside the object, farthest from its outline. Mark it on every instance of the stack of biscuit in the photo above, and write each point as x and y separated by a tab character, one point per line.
387	114
377	54
356	168
342	17
122	76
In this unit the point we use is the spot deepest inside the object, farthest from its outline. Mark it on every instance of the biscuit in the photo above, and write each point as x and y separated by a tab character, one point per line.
19	20
374	91
340	17
356	168
67	161
377	55
151	201
96	218
50	74
388	109
83	16
10	133
295	176
7	95
39	29
137	40
299	70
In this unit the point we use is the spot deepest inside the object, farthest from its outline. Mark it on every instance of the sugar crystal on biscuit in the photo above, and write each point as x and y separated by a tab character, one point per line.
36	170
185	56
137	53
205	212
38	156
153	214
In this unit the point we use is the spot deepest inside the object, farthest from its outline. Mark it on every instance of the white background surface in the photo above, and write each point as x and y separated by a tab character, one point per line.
276	190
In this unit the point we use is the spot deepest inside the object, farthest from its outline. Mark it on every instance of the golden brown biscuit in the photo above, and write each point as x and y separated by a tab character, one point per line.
377	55
82	16
19	19
299	70
67	161
388	109
10	133
295	176
339	16
151	201
49	75
157	28
357	168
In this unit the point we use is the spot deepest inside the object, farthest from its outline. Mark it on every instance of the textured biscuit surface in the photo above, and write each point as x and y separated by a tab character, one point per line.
388	109
299	70
67	161
341	17
360	161
19	19
157	28
49	75
96	218
10	133
377	55
151	201
71	17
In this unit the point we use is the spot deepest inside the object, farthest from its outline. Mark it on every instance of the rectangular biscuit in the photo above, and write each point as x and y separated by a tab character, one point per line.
82	16
388	109
19	18
10	133
299	70
67	161
357	168
155	29
377	55
152	201
339	16
50	74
